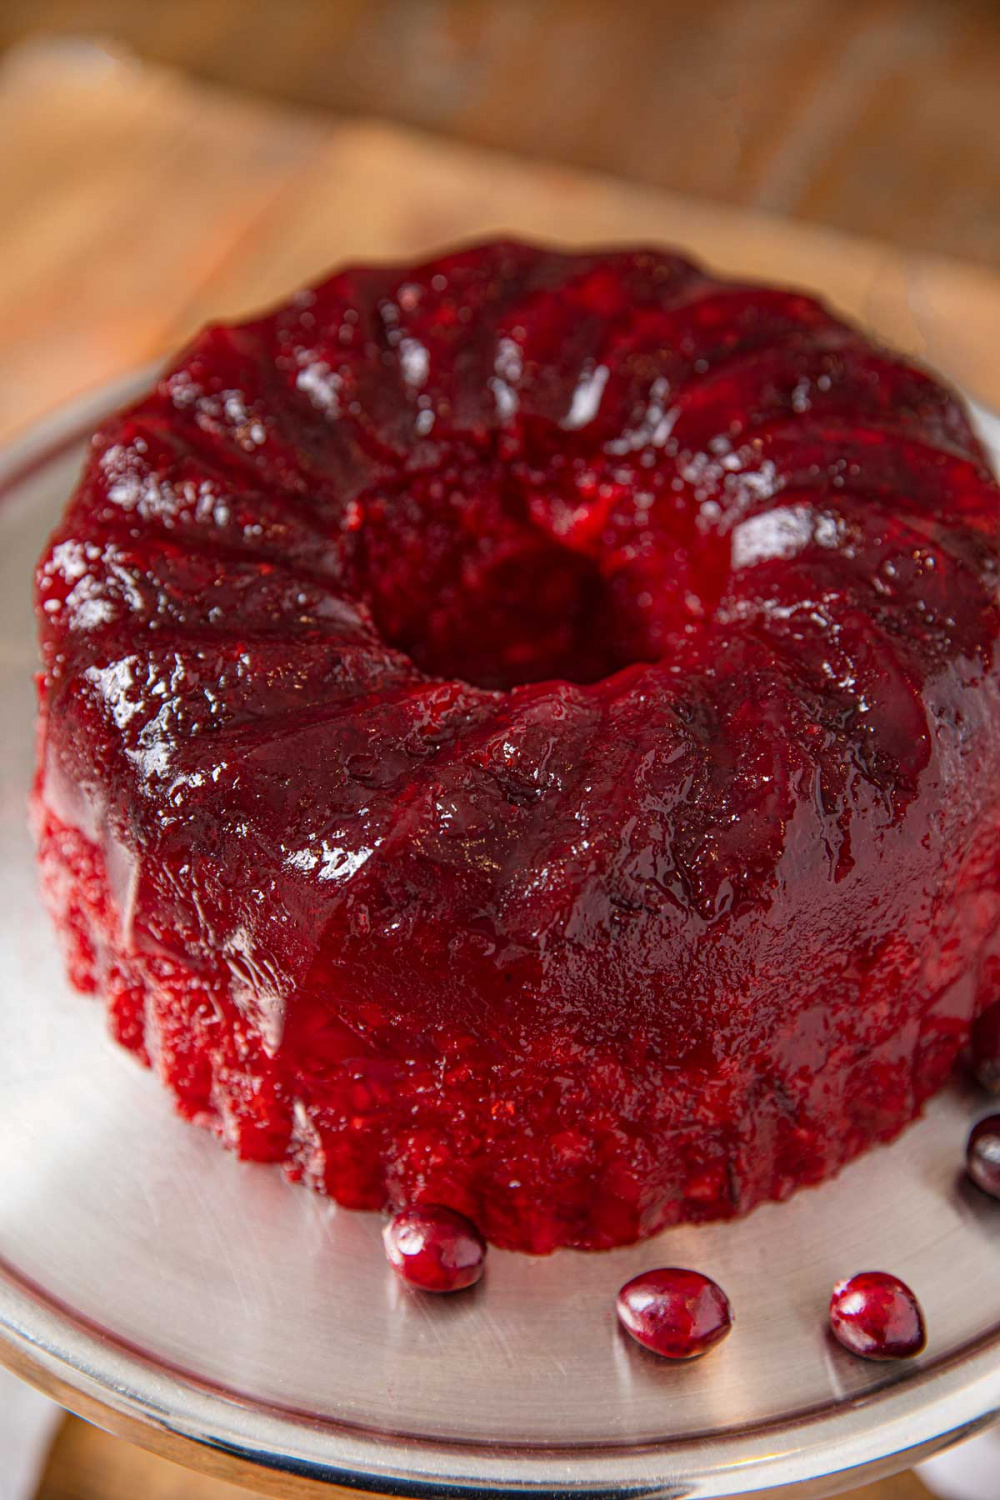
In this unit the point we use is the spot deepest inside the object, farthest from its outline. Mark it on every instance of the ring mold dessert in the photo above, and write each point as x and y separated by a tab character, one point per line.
521	733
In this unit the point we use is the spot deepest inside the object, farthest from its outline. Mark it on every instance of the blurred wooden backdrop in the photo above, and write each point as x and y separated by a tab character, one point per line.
877	117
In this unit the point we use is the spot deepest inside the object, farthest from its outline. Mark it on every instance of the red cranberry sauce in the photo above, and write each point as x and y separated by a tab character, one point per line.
520	732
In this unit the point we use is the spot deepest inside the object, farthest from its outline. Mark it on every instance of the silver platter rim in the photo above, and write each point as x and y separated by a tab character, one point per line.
233	1437
817	1453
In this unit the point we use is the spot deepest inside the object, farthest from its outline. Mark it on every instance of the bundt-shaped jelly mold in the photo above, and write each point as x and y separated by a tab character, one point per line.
522	733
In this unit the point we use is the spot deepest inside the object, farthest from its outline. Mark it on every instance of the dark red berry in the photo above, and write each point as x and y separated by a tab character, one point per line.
982	1155
678	1314
435	1249
876	1316
986	1049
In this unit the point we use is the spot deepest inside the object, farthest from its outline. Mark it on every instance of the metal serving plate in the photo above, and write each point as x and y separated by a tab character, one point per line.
209	1309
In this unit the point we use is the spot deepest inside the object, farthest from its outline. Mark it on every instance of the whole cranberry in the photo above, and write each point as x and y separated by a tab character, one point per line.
986	1049
678	1314
435	1249
982	1155
876	1316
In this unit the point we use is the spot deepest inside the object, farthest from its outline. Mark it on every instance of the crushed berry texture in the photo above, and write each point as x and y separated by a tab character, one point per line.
522	734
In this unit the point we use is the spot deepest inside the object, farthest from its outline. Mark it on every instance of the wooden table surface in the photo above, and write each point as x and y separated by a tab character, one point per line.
877	116
136	203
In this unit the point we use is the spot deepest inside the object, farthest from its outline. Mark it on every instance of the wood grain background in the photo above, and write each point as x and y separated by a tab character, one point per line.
877	116
137	202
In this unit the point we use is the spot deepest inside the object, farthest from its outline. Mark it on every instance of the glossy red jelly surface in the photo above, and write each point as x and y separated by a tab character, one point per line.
678	1314
876	1316
522	733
